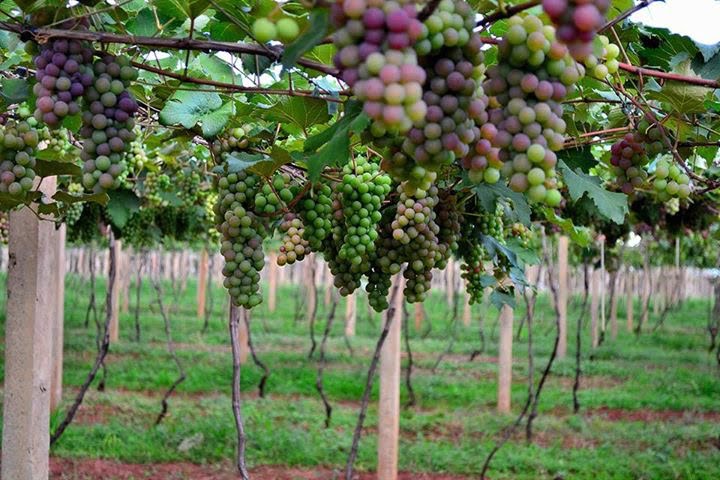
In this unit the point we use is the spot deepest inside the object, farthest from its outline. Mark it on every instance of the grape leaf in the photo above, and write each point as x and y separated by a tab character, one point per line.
121	205
313	34
189	108
302	112
578	158
489	195
611	205
14	90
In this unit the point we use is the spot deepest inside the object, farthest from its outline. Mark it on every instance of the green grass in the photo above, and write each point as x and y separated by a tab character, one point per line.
451	429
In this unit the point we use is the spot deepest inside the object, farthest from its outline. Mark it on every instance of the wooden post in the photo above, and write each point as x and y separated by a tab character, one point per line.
602	285
59	324
115	294
242	313
450	283
28	344
614	288
202	283
630	300
594	307
310	288
419	316
467	309
350	314
505	359
389	408
272	282
563	243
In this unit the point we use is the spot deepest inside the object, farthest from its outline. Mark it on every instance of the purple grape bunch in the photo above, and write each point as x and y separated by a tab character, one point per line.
63	73
453	61
376	58
108	123
577	22
533	76
18	142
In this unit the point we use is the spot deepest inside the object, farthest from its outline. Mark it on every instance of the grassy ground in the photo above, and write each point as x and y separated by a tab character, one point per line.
650	405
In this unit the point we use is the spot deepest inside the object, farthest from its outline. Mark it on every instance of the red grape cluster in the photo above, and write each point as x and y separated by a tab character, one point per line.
628	157
64	72
577	22
533	76
376	59
18	141
108	123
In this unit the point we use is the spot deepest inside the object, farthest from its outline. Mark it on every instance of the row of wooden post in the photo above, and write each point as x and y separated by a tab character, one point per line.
34	338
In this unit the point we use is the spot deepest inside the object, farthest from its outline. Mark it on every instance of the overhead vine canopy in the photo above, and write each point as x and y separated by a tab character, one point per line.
385	135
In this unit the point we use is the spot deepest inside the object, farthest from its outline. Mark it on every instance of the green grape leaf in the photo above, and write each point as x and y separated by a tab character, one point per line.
306	41
579	235
121	205
611	205
578	158
14	90
189	108
332	146
500	298
302	112
490	195
179	9
48	168
239	161
65	197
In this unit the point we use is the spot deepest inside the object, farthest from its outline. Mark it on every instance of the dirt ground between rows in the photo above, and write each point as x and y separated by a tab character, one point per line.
63	469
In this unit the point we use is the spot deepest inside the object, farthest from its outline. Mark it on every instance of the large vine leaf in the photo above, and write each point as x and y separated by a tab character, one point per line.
180	9
490	195
14	90
302	112
332	146
313	34
190	108
121	205
681	96
611	205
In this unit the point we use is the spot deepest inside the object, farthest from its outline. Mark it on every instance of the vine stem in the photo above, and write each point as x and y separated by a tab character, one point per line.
275	53
702	82
508	12
321	364
102	351
234	327
171	350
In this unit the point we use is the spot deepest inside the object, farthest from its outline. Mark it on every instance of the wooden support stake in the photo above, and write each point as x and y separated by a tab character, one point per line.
350	314
450	283
630	299
563	243
389	408
467	308
595	307
615	289
115	294
59	324
242	313
28	344
505	359
310	288
419	316
272	282
202	283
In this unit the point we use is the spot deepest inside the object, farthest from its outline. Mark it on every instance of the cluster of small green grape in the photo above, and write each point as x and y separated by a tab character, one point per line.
474	257
316	212
293	246
73	211
57	140
346	276
670	181
136	158
451	54
449	220
108	123
524	234
18	142
242	236
284	29
139	230
154	185
189	190
274	195
362	191
491	223
4	228
237	139
87	228
374	41
527	87
603	60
